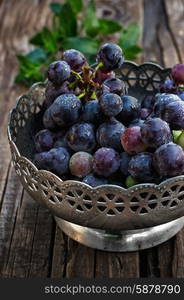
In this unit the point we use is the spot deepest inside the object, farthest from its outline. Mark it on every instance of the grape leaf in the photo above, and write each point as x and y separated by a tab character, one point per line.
38	55
107	26
56	8
76	5
130	35
68	21
45	39
84	44
91	22
131	52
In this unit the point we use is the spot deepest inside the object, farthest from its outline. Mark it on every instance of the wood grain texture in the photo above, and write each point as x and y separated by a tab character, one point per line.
31	245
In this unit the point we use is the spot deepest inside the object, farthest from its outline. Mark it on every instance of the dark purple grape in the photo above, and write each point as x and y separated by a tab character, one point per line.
102	75
168	87
177	73
131	109
181	95
81	137
148	102
47	120
52	92
169	160
109	134
111	56
110	104
124	163
106	161
91	112
66	110
137	122
56	160
174	115
44	140
161	101
155	132
131	140
94	181
75	59
145	113
141	167
58	72
114	85
81	164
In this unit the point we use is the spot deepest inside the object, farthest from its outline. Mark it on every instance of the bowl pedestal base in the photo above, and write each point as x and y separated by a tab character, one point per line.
122	241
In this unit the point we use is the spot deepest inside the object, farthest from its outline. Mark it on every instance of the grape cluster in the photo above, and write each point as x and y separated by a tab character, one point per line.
95	132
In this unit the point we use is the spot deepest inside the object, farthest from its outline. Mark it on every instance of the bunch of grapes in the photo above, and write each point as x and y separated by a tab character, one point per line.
95	132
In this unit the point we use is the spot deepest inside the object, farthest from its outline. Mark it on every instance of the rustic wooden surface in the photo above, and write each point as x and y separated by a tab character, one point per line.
31	245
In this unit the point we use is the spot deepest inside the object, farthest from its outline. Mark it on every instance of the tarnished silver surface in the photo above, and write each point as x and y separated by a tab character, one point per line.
107	207
124	240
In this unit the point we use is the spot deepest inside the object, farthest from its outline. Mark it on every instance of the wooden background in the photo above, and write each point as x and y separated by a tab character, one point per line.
31	245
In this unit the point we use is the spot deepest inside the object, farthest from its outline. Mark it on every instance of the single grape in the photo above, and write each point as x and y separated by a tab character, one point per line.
58	72
56	160
81	164
111	56
52	92
131	109
66	110
131	140
141	167
137	122
181	95
110	104
44	140
130	181
177	73
169	160
91	112
81	137
114	85
124	162
109	134
94	181
145	113
174	115
168	86
48	122
106	161
75	59
161	101
102	75
148	102
155	132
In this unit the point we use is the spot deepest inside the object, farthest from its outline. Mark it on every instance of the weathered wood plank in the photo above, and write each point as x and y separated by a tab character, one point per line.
59	256
117	265
80	261
175	16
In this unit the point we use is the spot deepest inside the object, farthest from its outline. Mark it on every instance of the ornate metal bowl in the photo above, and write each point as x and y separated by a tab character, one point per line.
107	207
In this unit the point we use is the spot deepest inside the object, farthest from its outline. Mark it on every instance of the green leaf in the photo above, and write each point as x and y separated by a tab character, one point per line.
29	72
56	7
84	44
131	52
76	5
107	26
130	35
91	22
45	39
68	21
38	55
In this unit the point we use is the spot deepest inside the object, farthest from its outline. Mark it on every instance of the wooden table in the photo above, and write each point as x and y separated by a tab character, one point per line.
31	245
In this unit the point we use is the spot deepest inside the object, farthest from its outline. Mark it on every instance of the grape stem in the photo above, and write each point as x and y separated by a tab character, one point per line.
81	95
77	75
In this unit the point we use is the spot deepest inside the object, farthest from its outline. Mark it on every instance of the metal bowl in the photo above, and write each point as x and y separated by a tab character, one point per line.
107	208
